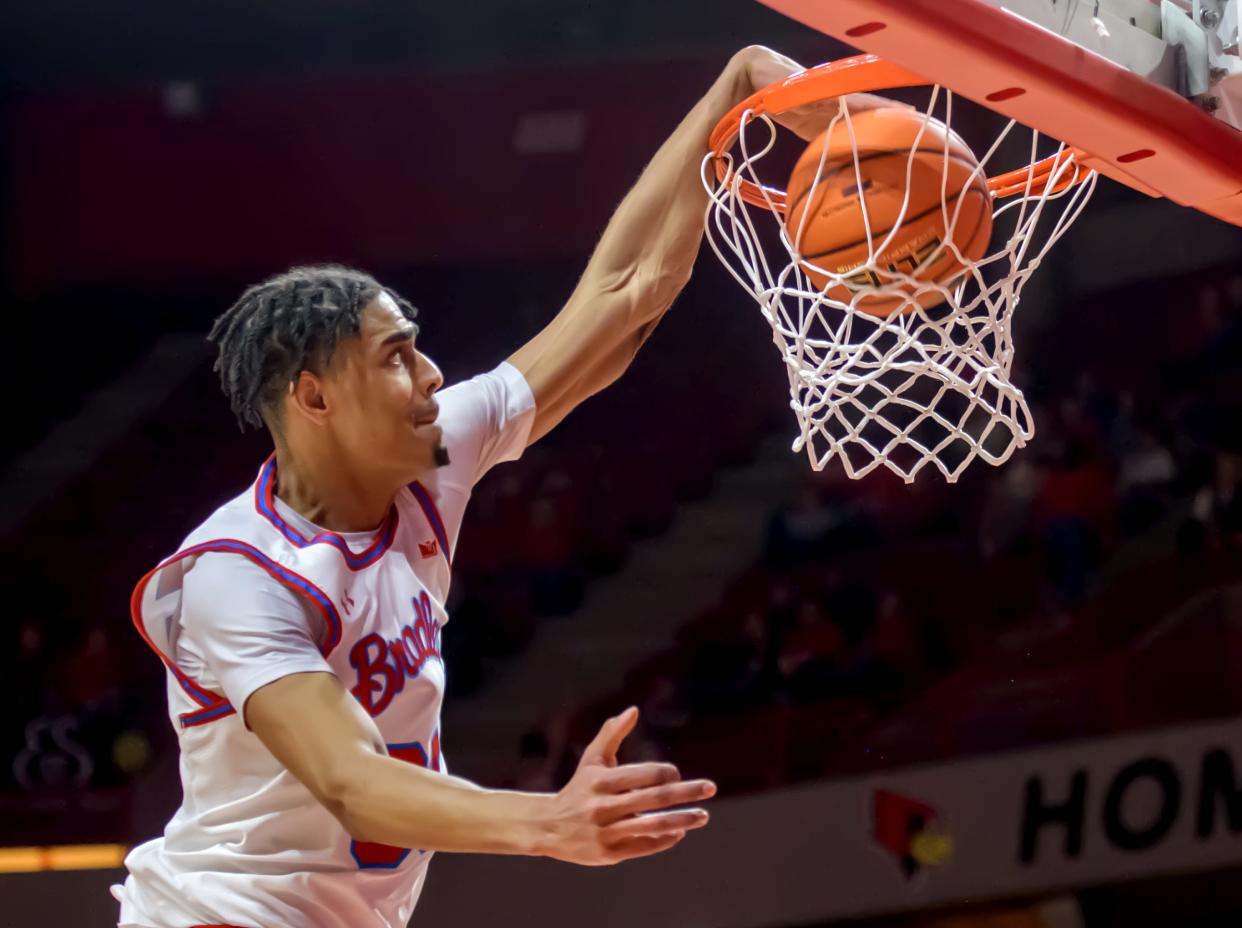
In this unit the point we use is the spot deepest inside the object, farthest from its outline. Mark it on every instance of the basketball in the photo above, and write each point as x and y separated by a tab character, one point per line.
827	225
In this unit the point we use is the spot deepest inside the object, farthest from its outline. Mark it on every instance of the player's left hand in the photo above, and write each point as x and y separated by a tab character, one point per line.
761	67
608	813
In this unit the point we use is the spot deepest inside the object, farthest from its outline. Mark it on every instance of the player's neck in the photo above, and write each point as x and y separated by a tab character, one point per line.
329	495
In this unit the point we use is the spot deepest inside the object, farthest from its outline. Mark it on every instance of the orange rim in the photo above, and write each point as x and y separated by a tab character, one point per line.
863	74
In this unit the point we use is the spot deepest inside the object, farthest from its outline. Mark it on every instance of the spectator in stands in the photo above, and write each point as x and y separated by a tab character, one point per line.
1224	499
891	657
780	616
850	604
1073	510
536	767
800	533
663	710
1087	413
1146	472
812	655
1121	434
495	611
29	664
89	675
1006	512
555	582
726	674
651	494
604	539
1200	323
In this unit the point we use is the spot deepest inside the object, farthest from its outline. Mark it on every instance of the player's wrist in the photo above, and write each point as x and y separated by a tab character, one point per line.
533	819
737	74
756	67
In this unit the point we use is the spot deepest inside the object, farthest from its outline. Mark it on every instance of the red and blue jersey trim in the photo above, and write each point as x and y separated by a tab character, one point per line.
370	855
208	714
264	503
213	705
419	492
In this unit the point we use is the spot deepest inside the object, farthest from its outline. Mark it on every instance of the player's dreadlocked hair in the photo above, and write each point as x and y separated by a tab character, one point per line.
289	323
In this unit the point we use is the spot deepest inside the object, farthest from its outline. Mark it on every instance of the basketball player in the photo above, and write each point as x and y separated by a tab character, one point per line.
300	624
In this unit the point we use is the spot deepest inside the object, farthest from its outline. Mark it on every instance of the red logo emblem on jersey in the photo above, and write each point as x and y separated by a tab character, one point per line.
428	548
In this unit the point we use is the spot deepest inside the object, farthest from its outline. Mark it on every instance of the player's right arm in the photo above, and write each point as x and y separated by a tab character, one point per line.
605	814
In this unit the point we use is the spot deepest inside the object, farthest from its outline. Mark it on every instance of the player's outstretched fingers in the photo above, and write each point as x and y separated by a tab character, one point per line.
662	797
604	746
645	847
653	826
638	776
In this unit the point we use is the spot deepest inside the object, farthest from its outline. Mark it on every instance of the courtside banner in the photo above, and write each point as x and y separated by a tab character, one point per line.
1087	812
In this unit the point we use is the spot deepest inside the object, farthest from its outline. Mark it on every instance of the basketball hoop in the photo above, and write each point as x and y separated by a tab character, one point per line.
926	385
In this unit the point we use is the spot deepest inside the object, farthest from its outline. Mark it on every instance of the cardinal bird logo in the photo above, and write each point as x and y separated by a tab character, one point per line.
910	830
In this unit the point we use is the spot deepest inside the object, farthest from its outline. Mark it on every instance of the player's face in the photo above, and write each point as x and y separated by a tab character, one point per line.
386	408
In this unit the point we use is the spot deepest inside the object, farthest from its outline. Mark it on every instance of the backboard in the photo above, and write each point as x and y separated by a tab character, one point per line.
1152	91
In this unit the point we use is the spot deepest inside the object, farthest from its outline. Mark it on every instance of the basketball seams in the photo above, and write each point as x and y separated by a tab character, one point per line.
973	188
896	174
790	208
877	306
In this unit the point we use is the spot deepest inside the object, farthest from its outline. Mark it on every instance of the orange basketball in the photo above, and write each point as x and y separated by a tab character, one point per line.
834	235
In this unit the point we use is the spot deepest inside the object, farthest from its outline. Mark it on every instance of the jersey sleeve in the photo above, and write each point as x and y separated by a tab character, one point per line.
486	420
240	629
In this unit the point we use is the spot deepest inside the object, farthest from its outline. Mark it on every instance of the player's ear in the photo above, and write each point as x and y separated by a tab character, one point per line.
306	396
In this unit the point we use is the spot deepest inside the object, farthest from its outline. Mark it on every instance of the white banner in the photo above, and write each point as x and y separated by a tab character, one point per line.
1023	823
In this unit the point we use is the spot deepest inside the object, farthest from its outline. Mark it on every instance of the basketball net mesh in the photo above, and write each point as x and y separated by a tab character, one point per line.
921	386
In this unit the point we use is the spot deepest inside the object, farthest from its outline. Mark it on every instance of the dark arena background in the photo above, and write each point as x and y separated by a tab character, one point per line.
1011	701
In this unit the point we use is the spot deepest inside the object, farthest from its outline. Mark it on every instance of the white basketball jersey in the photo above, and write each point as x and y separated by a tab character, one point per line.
250	846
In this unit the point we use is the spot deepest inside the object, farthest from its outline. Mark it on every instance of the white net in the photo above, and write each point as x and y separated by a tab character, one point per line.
921	386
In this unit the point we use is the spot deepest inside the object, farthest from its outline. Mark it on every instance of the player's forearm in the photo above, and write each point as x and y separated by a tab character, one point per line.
642	261
392	802
653	237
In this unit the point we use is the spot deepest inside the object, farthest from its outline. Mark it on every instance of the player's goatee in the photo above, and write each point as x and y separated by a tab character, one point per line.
441	456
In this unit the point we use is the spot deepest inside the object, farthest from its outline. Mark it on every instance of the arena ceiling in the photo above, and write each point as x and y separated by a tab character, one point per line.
58	45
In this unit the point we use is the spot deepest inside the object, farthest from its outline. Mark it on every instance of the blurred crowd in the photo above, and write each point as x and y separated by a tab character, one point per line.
865	592
869	591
